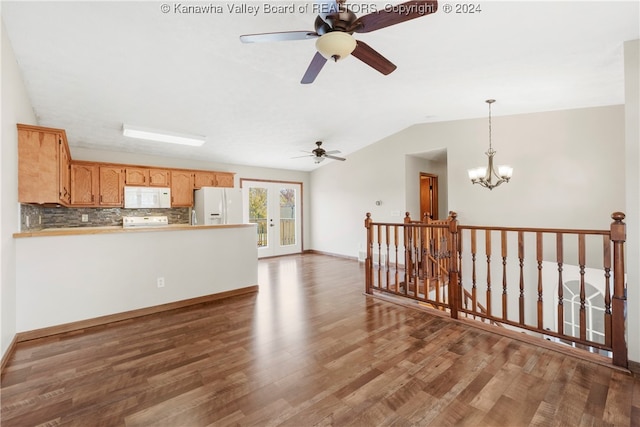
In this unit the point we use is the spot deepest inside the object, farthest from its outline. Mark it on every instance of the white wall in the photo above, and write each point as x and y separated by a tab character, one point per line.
16	107
93	275
632	209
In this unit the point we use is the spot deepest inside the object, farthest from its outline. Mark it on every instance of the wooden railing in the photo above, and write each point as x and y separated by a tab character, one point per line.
559	284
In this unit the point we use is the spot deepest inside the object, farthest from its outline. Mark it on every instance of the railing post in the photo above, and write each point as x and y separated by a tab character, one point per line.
408	244
619	300
455	301
369	259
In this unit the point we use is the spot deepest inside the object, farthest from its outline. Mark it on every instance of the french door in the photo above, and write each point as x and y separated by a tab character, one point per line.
276	208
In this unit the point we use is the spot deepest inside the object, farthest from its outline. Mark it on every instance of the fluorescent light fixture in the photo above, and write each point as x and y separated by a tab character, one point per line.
162	136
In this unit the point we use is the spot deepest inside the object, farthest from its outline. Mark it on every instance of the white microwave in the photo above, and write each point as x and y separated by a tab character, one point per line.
147	197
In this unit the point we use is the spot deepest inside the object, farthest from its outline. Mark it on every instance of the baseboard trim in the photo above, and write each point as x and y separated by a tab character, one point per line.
8	353
126	315
316	252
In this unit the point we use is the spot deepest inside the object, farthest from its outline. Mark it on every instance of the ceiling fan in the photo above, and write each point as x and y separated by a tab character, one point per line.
319	154
334	27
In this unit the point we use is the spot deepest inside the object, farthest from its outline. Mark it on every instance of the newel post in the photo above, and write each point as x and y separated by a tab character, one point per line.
455	301
619	300
369	259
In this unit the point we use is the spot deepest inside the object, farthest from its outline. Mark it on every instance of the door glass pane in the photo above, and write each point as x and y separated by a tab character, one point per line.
287	216
258	213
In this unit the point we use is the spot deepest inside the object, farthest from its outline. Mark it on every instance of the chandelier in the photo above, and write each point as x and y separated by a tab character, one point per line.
485	175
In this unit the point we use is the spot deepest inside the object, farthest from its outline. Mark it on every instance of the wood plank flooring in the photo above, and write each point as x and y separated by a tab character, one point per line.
309	349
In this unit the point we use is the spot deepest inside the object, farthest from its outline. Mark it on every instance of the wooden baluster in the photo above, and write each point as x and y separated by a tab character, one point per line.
503	236
540	297
474	290
386	260
581	263
379	230
416	264
619	300
488	253
395	241
459	250
408	267
521	259
559	257
367	261
606	243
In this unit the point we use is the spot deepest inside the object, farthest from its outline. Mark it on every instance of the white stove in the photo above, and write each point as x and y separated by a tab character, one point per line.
144	221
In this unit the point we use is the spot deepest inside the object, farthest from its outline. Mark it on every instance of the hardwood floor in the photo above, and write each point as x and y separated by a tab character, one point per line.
308	349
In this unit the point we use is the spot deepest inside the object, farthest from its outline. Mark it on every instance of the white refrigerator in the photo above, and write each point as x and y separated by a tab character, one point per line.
216	205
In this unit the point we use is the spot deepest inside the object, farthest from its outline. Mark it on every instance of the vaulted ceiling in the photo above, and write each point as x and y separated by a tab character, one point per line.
89	67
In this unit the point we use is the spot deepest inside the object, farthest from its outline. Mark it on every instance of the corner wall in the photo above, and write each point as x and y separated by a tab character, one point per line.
632	179
16	108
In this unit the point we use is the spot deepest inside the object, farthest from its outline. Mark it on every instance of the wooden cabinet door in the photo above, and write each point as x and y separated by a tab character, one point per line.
64	170
181	188
111	186
224	179
42	176
136	176
159	178
84	184
204	179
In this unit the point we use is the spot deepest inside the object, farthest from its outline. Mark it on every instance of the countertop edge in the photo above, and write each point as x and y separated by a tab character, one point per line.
77	231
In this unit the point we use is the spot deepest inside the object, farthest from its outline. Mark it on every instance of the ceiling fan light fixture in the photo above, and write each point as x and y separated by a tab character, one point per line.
162	136
335	45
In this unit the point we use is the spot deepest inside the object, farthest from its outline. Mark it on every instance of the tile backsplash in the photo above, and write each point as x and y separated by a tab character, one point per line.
36	217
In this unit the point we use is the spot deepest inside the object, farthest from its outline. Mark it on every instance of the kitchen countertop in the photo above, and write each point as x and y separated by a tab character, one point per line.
75	231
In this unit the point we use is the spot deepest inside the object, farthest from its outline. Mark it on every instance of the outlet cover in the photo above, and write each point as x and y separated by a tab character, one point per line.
161	282
85	218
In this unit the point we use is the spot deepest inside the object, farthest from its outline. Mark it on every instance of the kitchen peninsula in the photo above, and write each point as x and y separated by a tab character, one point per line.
79	277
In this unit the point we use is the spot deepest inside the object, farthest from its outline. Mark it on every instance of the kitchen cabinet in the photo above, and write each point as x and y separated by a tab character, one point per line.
212	179
224	179
147	177
181	188
43	165
85	181
204	179
136	176
111	186
159	177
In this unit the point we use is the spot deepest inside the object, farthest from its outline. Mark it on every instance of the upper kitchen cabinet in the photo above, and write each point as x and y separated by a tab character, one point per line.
145	177
159	177
212	179
224	179
181	188
84	184
136	176
43	166
111	186
204	179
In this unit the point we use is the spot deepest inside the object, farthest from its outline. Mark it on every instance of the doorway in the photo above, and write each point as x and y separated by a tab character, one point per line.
276	208
428	196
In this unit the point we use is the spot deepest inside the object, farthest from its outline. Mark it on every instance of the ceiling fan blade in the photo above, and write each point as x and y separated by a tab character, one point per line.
332	152
307	155
394	14
372	58
314	68
334	157
278	37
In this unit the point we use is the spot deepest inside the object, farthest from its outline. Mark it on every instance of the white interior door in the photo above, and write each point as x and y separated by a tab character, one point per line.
276	208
